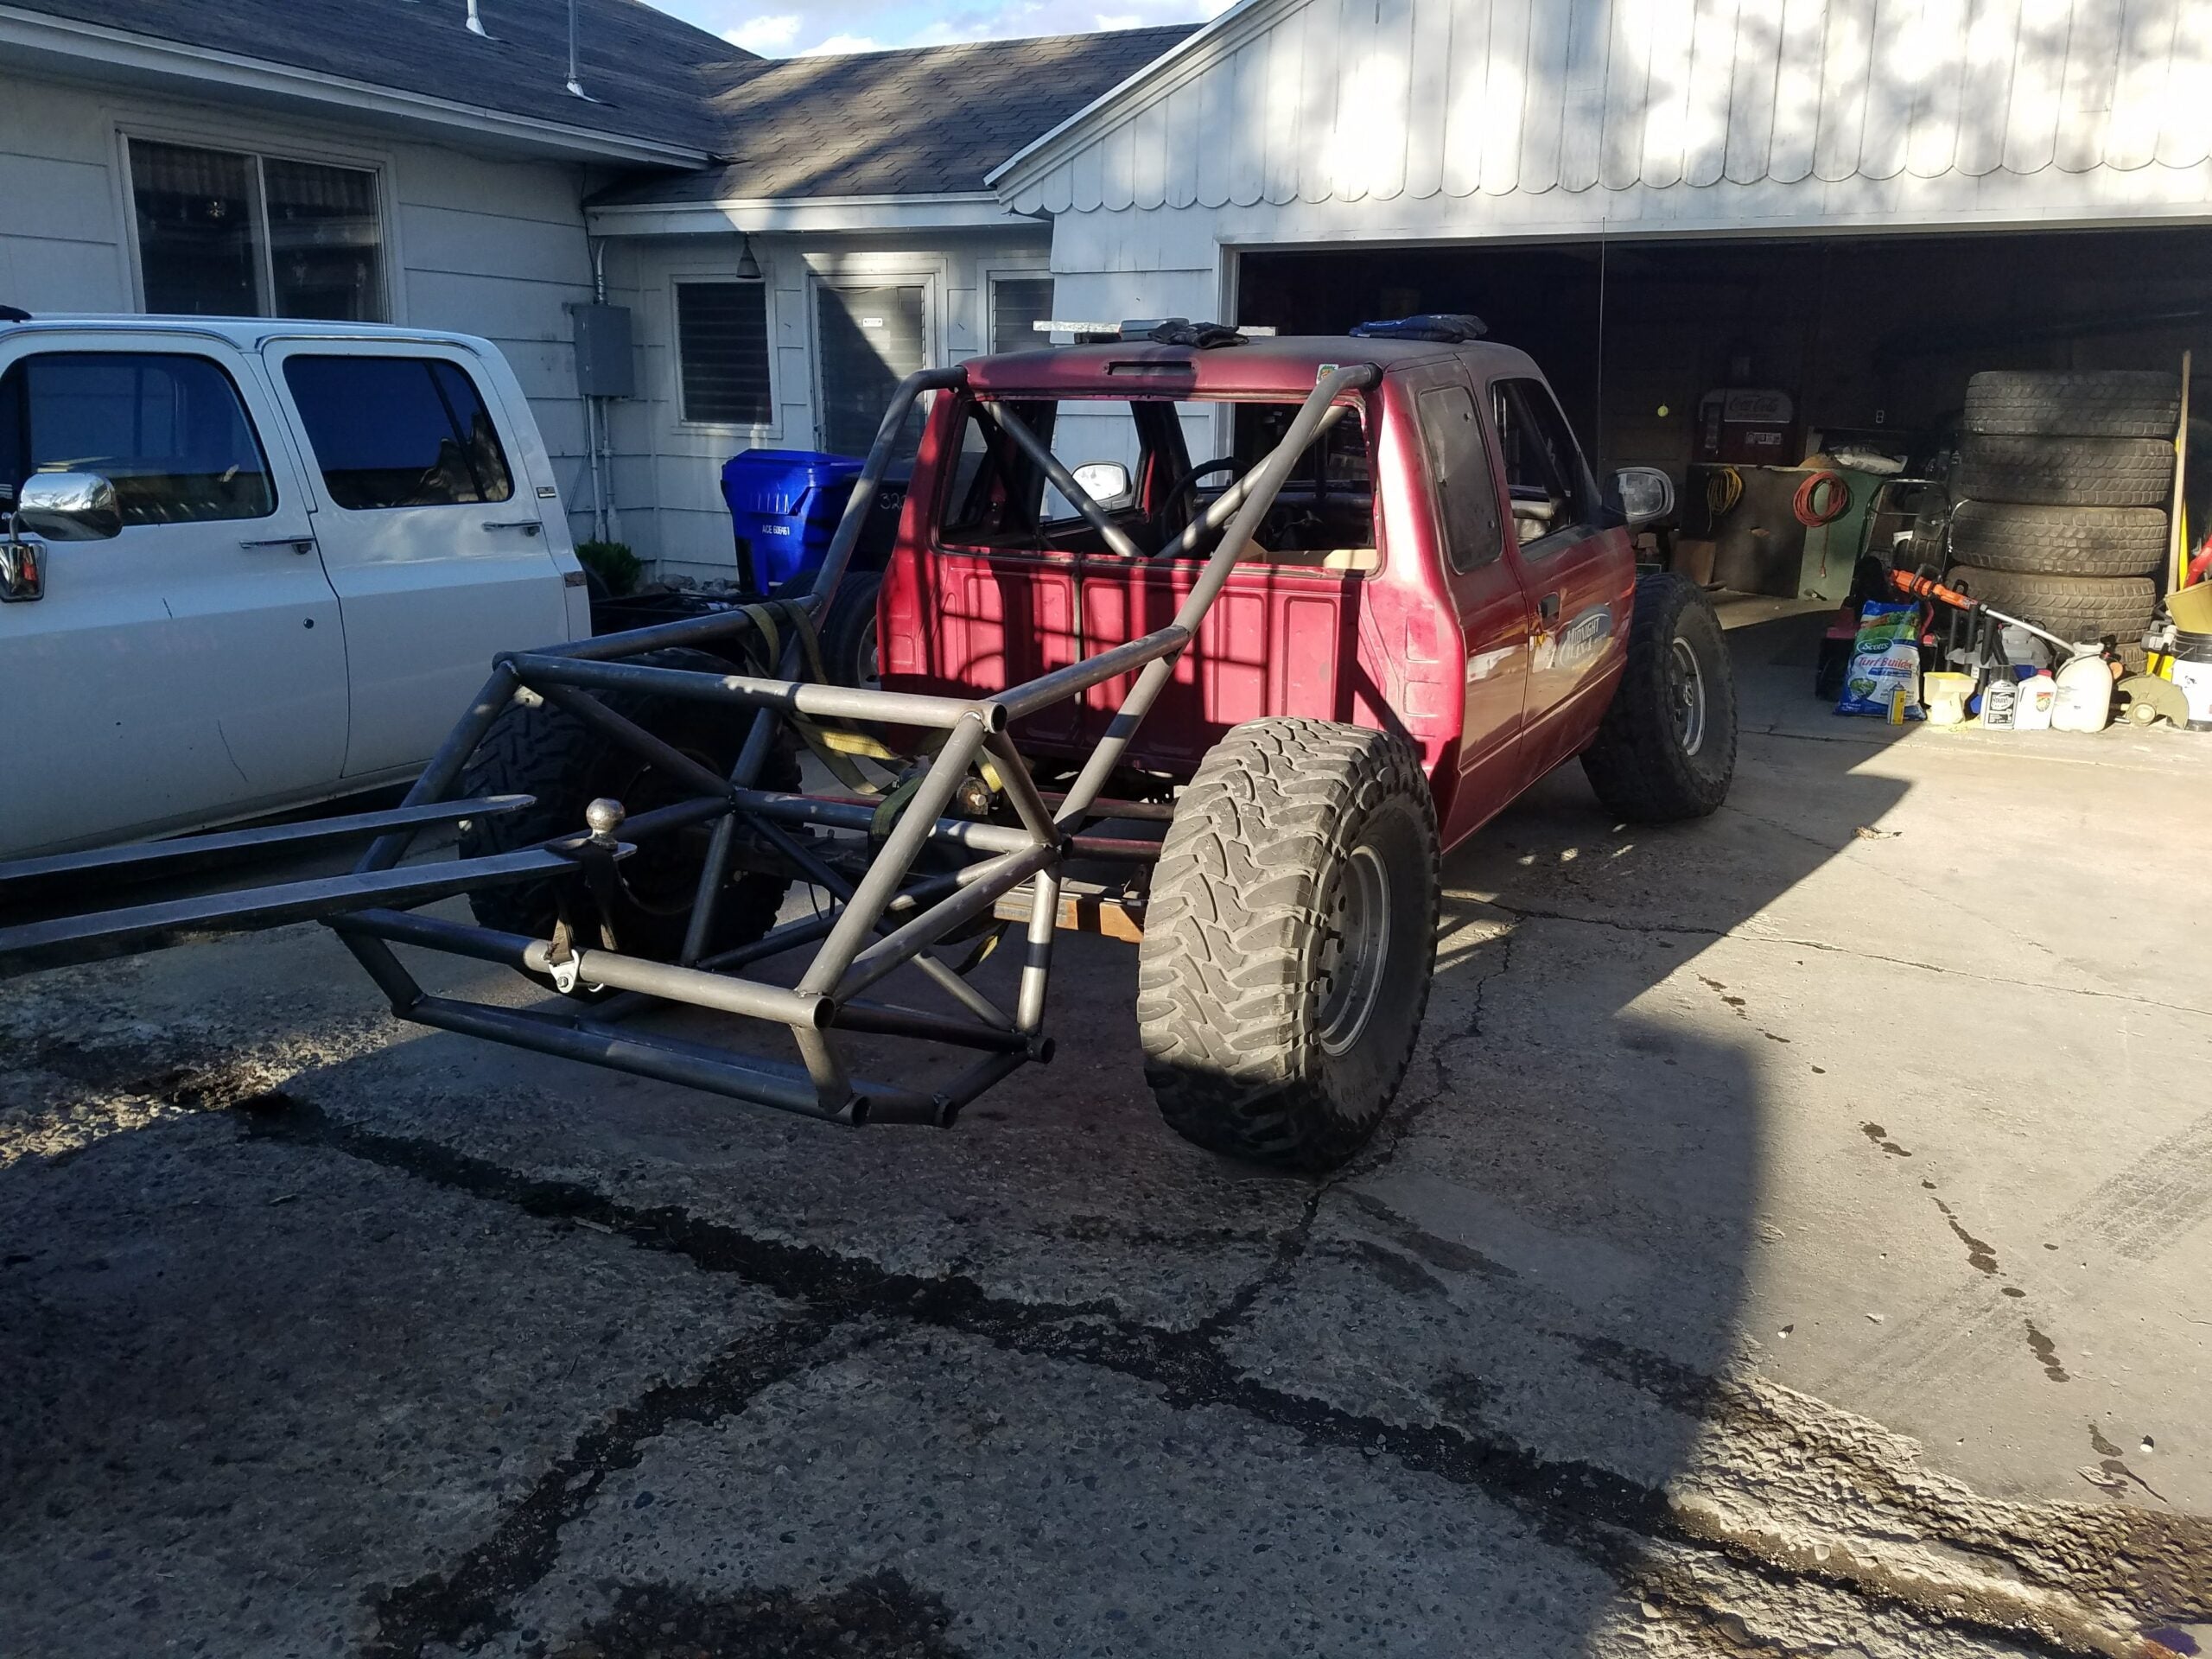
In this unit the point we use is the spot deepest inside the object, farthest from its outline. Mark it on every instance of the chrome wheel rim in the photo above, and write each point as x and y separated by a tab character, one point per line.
1354	949
1685	695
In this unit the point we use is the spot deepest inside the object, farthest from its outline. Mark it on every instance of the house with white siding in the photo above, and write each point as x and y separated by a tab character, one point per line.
1850	204
788	238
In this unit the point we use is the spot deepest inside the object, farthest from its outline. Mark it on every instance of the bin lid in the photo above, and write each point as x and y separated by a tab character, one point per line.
777	480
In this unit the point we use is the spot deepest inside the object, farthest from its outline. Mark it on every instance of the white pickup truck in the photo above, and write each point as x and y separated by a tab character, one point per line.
248	565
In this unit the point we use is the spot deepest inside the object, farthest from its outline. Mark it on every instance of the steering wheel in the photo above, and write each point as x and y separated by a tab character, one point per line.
1186	485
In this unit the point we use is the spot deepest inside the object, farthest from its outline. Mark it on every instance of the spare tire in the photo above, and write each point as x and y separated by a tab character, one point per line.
2075	403
2077	608
2058	541
2067	471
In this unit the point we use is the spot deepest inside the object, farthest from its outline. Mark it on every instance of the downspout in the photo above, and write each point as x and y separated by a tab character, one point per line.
602	464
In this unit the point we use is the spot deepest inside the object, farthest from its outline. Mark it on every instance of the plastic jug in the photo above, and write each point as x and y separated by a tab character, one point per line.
2033	712
2000	701
2083	700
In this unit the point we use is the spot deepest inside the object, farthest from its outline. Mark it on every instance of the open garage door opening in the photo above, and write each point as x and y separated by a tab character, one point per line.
1757	356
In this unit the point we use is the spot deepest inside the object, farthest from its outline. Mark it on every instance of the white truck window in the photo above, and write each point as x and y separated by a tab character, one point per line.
166	428
398	431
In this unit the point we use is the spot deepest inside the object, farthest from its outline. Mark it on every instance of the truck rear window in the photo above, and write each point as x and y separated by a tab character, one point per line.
398	431
1150	465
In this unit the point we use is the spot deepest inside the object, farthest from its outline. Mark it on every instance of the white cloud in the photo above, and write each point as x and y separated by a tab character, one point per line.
780	29
765	34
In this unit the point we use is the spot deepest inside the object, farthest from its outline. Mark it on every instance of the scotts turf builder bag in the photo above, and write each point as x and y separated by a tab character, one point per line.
1885	661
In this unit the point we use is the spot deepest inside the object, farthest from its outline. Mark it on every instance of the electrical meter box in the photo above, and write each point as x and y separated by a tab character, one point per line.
604	368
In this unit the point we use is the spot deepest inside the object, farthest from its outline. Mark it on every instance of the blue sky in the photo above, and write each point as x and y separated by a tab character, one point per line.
783	28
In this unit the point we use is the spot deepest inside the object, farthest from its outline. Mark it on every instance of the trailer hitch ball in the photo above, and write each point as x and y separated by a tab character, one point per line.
974	799
603	818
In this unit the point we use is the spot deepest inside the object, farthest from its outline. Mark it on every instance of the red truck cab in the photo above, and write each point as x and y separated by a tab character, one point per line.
1440	564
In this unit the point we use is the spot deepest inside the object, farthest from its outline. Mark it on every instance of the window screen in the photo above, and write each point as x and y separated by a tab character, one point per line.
868	339
399	431
1018	303
325	253
1466	494
222	233
721	337
198	249
167	430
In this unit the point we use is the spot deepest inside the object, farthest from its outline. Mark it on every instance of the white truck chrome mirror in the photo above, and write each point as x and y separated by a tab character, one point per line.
68	507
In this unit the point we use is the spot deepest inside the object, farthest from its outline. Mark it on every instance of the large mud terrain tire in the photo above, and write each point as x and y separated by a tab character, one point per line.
2080	404
2081	609
539	750
2058	541
1667	749
2069	472
1288	942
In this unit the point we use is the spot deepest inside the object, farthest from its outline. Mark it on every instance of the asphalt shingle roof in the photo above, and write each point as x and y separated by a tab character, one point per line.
652	74
925	121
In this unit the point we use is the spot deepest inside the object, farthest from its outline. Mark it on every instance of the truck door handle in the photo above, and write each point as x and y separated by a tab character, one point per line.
301	545
1547	607
528	526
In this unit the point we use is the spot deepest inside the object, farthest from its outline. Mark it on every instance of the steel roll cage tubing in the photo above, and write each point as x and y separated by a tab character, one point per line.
1081	500
909	915
1218	510
1267	479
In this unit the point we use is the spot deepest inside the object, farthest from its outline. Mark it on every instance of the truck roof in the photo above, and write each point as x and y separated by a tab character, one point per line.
1282	365
247	334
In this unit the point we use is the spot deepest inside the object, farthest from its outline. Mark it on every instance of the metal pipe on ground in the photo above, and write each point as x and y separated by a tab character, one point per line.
663	1059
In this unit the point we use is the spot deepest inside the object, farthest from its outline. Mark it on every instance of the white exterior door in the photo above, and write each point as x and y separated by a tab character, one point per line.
193	668
430	527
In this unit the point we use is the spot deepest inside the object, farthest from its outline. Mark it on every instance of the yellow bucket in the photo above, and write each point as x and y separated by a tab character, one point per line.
1947	696
2191	608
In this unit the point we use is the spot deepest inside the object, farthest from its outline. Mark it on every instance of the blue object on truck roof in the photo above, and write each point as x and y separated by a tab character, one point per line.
784	508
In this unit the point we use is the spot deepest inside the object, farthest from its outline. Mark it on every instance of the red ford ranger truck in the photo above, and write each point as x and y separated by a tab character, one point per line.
1213	642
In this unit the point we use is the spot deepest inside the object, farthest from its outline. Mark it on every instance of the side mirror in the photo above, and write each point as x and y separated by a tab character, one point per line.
68	507
1106	482
1646	494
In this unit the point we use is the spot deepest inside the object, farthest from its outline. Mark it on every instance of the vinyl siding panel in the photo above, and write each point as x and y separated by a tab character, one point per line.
1620	101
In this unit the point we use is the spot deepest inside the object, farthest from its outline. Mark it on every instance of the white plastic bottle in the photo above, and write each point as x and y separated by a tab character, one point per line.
2083	702
2033	712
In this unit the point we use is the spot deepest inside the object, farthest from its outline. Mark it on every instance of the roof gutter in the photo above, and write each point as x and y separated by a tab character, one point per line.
955	210
149	61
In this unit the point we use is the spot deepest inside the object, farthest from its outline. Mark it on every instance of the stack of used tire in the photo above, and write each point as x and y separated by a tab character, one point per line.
2064	479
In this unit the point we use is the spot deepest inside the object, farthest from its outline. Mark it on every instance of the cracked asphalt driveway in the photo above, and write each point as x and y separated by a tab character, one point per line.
1792	1239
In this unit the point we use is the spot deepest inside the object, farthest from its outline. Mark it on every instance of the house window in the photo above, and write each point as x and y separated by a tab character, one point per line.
721	347
1017	304
226	233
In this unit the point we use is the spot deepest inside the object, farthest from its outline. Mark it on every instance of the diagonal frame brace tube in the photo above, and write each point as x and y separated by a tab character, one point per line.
1038	450
1267	481
887	872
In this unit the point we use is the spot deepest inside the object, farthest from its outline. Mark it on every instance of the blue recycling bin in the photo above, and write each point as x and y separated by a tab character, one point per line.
784	508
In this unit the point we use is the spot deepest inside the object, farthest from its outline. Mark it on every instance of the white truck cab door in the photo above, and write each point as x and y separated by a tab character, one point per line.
192	668
430	527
